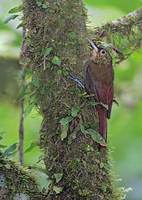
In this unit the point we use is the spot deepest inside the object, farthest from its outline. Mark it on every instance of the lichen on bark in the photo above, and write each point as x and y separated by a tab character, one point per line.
124	34
55	47
16	182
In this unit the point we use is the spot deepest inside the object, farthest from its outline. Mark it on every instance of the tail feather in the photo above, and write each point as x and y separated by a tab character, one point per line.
102	114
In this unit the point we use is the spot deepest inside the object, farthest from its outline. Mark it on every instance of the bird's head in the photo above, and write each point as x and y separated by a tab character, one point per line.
99	54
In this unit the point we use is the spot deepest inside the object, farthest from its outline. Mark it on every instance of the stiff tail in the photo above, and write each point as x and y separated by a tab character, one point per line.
102	113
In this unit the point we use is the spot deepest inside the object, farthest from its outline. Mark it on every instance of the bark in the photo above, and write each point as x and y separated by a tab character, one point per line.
56	47
15	183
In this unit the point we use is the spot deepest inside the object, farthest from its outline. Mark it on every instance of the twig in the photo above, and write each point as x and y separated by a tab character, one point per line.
21	123
21	105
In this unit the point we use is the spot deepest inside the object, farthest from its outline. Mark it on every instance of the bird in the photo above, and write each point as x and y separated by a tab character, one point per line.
99	78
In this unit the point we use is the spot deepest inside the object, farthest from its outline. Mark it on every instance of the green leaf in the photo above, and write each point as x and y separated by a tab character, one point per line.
75	110
36	82
31	147
56	60
58	190
82	128
10	150
47	51
65	121
38	3
58	177
9	18
44	6
64	131
16	9
19	25
96	136
64	126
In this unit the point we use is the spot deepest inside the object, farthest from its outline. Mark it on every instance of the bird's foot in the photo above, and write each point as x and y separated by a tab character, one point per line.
103	105
98	103
90	95
103	145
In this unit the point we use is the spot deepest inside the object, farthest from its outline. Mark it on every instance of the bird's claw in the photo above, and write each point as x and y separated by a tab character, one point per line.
90	95
104	105
99	103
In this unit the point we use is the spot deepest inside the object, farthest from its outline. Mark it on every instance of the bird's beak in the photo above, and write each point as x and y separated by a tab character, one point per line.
94	46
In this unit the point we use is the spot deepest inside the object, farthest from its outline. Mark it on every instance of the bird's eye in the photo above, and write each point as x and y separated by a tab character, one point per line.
102	52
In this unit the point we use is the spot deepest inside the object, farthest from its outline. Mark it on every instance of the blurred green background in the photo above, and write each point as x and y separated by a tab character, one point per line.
125	126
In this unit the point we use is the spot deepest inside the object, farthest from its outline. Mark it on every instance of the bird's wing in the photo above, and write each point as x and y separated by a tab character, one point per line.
105	94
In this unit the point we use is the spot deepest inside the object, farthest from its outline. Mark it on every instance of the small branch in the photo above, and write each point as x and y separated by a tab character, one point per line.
21	104
21	124
124	35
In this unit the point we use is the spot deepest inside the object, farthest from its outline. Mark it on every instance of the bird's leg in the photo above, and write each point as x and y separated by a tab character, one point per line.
103	105
97	102
89	95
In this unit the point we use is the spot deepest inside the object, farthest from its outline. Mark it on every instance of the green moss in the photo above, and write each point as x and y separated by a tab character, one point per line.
124	34
15	181
74	164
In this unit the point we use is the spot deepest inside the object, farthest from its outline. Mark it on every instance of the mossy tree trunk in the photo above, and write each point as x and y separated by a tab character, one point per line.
15	183
55	48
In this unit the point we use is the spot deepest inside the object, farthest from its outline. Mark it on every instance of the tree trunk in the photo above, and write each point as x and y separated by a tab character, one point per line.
55	48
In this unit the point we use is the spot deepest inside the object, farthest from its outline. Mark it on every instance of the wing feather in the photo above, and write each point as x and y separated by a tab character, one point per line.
103	92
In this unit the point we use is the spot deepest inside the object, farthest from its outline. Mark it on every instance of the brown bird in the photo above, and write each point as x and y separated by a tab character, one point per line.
99	76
